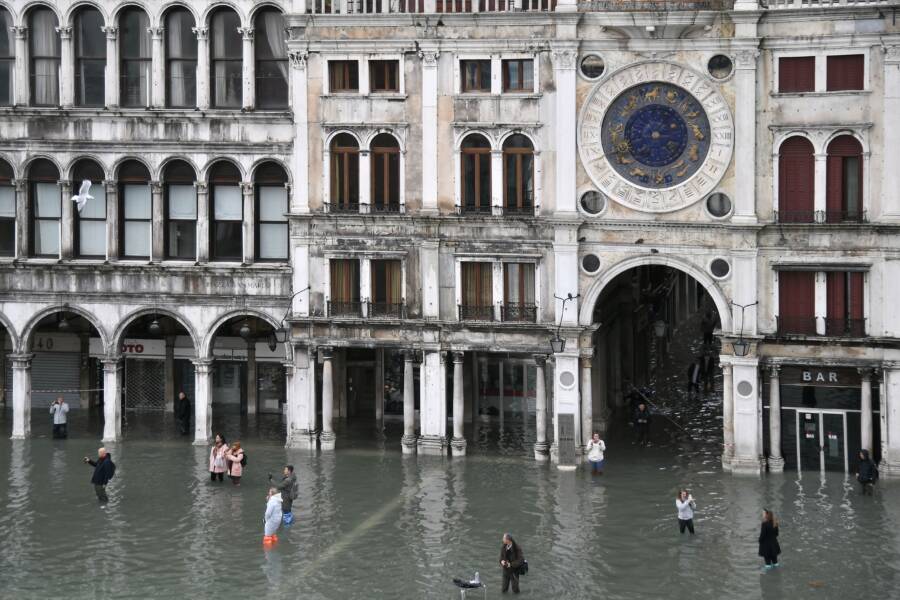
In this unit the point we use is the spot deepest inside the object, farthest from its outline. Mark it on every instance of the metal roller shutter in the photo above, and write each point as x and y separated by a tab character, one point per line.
52	372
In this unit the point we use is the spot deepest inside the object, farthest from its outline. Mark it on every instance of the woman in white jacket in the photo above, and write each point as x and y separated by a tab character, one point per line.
685	505
273	516
595	449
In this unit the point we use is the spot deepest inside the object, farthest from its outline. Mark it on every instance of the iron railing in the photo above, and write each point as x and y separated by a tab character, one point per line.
788	325
387	310
845	327
342	208
821	216
474	210
389	208
522	211
523	313
471	312
834	327
344	309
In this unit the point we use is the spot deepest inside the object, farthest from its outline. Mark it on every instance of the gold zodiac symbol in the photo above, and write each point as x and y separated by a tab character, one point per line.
698	135
637	172
652	94
671	96
693	153
623	160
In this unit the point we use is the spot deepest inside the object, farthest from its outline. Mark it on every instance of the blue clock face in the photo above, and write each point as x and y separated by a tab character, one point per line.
655	135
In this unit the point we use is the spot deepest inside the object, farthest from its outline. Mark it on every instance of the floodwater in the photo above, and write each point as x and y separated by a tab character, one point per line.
372	523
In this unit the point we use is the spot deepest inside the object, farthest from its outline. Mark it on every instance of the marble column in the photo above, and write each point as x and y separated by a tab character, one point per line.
890	174
745	135
408	442
169	387
300	199
326	440
249	225
776	461
157	67
890	410
22	95
202	34
866	435
202	221
433	405
365	178
379	384
66	221
157	213
587	400
252	391
727	415
458	443
23	217
111	83
248	70
112	399
21	395
302	401
541	446
429	130
497	182
66	68
202	401
565	57
112	219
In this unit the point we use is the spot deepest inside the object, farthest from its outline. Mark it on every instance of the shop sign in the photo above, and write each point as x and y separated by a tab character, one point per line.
820	376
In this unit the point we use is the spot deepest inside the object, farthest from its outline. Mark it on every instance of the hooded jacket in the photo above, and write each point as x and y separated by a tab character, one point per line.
273	514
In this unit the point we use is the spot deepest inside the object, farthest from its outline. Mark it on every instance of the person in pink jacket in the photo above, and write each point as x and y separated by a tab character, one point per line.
234	456
217	463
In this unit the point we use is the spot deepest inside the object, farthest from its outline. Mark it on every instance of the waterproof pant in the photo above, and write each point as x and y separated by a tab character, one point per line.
510	576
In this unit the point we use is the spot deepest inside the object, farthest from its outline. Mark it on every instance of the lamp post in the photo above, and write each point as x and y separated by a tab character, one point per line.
742	347
558	344
279	336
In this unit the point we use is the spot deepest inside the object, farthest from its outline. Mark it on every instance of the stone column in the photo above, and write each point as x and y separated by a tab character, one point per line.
365	181
252	391
112	399
249	225
890	409
66	67
21	78
776	461
727	415
157	231
541	447
169	389
249	68
745	135
433	405
66	221
408	442
496	182
23	217
21	395
326	440
587	400
890	178
203	401
157	67
202	221
302	401
112	67
747	416
112	219
564	59
202	67
429	130
379	384
84	370
866	435
300	198
458	443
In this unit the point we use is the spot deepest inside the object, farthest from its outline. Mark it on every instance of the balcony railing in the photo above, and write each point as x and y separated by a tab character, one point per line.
474	210
390	208
782	4
523	313
387	310
833	327
469	312
845	216
342	208
370	7
821	216
521	211
795	216
344	309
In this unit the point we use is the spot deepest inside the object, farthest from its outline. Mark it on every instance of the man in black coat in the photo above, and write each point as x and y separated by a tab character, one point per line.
104	469
642	418
867	473
183	413
511	560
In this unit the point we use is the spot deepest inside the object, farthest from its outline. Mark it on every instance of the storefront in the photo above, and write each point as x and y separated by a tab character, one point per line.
821	417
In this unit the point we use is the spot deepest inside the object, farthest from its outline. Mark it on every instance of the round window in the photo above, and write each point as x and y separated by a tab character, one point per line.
593	202
567	379
719	267
592	66
745	388
590	263
718	205
720	66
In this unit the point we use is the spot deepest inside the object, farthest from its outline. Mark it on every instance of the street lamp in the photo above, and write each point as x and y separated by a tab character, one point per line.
154	327
63	324
244	331
557	343
280	334
659	328
742	347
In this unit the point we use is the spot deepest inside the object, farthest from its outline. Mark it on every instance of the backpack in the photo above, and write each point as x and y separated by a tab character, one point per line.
244	460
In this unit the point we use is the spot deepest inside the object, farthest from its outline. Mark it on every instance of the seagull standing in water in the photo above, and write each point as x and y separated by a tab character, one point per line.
83	195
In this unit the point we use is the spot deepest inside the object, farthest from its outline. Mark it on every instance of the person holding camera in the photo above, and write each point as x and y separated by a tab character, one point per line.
595	449
236	461
104	470
287	488
59	411
685	505
511	561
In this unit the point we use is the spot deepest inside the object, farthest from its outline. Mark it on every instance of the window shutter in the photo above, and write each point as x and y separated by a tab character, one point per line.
846	72
796	174
836	294
856	295
834	188
797	301
797	74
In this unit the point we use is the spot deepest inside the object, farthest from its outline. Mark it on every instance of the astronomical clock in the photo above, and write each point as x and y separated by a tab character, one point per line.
656	136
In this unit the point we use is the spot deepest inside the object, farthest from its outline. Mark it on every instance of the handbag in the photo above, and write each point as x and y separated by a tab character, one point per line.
523	568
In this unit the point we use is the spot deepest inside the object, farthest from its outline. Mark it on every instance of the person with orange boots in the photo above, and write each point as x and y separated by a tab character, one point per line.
273	517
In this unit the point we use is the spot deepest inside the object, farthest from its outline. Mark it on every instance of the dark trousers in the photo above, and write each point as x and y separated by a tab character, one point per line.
643	433
510	575
184	425
100	490
686	524
213	476
60	431
868	488
771	559
708	338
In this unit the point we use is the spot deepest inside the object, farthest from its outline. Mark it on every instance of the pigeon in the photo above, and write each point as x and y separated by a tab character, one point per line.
83	195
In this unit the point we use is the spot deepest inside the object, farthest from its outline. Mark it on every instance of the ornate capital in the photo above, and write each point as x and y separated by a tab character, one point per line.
201	186
746	59
298	59
20	31
202	33
156	187
564	59
156	32
458	357
246	32
891	53
726	368
586	362
327	352
429	58
774	371
540	360
20	184
111	32
865	373
247	188
65	33
65	186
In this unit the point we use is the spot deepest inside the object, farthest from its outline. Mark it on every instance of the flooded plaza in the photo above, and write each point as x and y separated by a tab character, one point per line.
372	523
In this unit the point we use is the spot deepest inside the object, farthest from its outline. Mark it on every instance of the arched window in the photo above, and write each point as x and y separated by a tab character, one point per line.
476	174
227	207
271	212
271	59
180	205
7	211
226	50
344	174
796	176
135	210
134	51
7	58
181	59
844	183
44	200
385	174
90	58
43	50
518	174
90	221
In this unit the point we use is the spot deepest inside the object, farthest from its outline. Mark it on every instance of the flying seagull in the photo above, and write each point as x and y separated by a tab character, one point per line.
83	195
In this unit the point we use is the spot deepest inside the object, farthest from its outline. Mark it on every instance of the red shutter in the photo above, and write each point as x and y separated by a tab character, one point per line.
834	189
796	175
797	302
856	295
846	72
836	286
797	74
